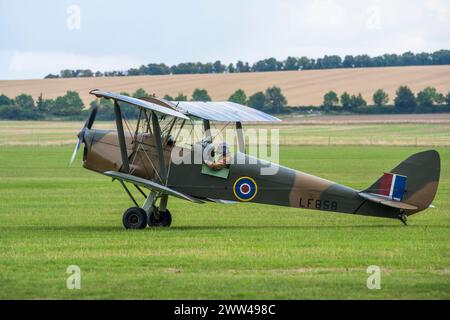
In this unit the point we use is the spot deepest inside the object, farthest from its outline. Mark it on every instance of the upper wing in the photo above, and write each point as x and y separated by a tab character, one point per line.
213	111
150	185
161	108
223	111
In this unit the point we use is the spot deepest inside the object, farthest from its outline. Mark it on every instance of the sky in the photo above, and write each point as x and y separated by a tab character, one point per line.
41	37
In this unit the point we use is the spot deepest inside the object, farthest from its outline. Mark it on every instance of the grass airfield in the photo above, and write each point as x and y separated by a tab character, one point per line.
53	216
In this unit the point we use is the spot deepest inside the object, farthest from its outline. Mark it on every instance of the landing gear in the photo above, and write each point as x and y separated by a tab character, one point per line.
149	214
158	218
135	218
403	218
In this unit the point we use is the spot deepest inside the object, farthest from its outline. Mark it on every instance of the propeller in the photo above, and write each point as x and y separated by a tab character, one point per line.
87	126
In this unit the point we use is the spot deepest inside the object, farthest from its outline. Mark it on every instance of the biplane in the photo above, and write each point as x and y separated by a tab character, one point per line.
143	157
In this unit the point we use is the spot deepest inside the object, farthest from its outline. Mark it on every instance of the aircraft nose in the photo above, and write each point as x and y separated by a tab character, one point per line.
80	133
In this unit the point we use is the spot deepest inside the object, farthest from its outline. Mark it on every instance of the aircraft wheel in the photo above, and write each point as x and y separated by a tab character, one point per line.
164	219
135	218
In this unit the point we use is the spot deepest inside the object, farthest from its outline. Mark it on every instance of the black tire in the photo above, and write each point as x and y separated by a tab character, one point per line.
135	218
164	219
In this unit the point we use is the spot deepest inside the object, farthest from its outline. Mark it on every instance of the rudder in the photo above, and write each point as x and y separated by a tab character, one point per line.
414	181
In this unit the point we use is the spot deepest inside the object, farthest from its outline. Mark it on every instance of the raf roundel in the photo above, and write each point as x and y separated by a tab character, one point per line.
245	189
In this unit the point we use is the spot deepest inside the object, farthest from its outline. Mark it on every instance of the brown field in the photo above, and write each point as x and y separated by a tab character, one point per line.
300	87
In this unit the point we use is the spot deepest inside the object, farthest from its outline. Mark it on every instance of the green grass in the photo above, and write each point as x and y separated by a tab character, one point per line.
52	217
367	134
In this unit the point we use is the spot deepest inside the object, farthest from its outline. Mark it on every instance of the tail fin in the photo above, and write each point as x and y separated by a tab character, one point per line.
413	182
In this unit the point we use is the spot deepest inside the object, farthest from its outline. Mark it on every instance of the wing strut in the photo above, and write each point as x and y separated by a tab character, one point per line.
240	137
157	135
207	128
121	135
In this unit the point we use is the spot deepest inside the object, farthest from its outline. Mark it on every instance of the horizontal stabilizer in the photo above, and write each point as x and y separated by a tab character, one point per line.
150	185
387	201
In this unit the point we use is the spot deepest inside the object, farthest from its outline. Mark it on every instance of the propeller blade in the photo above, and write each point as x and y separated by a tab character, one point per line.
77	147
91	119
87	125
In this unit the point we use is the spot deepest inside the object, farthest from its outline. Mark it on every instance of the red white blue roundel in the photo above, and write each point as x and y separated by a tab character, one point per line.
245	189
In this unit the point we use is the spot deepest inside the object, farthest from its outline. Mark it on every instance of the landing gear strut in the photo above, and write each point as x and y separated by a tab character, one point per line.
403	218
149	214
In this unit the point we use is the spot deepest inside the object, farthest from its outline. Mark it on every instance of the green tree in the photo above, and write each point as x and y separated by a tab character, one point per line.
428	97
181	97
67	73
291	63
242	67
105	109
140	93
380	98
5	100
44	105
40	103
218	67
357	101
231	68
405	100
275	100
86	73
257	101
51	76
22	108
441	57
238	97
349	61
168	98
305	63
346	101
440	98
24	102
69	104
200	95
330	99
329	62
265	65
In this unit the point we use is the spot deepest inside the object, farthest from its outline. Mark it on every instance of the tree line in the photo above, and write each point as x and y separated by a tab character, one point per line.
272	100
71	107
24	107
429	100
441	57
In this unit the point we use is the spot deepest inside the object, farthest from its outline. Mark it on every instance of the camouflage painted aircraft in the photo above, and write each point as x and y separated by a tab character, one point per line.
143	158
